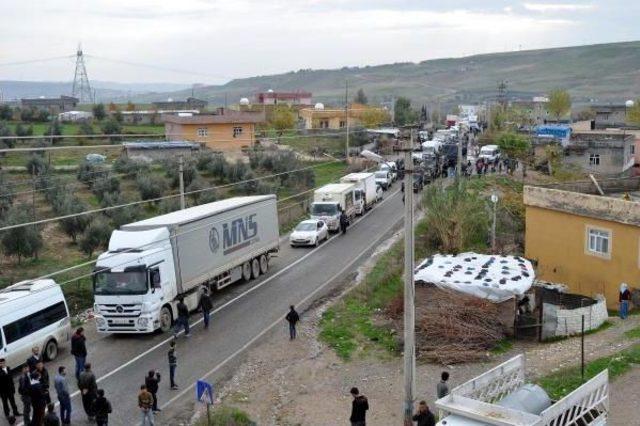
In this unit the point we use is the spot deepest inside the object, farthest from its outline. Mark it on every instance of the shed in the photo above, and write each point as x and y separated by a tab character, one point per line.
155	150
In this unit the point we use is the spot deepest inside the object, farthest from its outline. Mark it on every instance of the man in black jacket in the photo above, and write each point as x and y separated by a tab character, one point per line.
424	417
292	318
89	388
102	409
44	380
205	306
24	389
7	389
151	381
183	318
359	407
34	358
38	399
79	350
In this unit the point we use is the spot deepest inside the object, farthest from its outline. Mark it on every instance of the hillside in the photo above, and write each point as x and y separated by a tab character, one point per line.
606	72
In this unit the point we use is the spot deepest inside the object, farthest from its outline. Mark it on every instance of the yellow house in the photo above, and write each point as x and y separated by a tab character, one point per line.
588	241
226	130
320	117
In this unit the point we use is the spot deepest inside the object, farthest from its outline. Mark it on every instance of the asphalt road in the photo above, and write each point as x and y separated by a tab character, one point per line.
242	314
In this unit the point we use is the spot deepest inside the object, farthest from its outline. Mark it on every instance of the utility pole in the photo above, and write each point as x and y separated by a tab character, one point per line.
494	201
409	288
181	176
459	161
346	115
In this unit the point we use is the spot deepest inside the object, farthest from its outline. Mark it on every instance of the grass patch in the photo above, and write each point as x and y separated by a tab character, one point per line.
330	172
226	416
563	382
605	325
634	333
502	347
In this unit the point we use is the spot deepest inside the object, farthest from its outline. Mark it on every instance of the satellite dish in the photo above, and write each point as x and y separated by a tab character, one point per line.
629	103
244	101
169	99
270	91
319	105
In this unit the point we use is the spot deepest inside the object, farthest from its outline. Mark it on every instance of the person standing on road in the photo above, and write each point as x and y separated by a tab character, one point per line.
64	397
51	419
101	408
205	306
24	389
424	417
79	350
45	380
38	400
183	318
173	364
34	358
7	389
151	382
359	407
344	222
88	387
145	402
624	297
442	388
292	318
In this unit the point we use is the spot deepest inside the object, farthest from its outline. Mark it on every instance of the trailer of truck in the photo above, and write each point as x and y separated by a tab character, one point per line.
152	263
365	184
330	201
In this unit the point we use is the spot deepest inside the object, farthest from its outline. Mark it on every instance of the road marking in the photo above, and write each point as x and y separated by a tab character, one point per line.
241	295
273	324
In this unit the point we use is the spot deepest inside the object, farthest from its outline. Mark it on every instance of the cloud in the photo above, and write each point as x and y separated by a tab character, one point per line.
557	7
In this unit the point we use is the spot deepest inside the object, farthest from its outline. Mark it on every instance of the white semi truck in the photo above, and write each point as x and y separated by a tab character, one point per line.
153	262
330	201
501	397
365	184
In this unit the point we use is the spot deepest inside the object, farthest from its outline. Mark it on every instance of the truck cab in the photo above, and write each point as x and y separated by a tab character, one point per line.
490	153
332	200
132	280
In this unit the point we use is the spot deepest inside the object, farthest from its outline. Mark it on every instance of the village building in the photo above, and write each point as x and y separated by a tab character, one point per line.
320	117
53	105
587	241
190	103
536	108
225	130
610	116
287	98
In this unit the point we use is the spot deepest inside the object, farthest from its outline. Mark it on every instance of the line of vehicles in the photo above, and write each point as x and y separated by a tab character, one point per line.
151	264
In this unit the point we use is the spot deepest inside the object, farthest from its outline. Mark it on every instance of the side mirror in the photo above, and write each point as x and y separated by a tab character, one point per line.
155	278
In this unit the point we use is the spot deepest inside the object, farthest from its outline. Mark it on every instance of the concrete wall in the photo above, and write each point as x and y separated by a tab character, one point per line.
556	241
219	136
566	322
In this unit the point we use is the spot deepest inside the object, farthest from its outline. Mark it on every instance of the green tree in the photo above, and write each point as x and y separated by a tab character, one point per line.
5	131
404	114
112	127
36	165
6	195
559	103
99	112
22	130
283	118
54	129
105	184
21	242
95	236
150	187
374	117
72	226
361	98
131	106
515	146
633	113
6	112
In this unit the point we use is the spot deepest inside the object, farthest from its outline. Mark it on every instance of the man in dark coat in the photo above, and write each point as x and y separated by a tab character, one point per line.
102	409
38	399
7	389
183	318
292	318
151	381
44	380
424	417
344	222
34	358
24	389
205	306
79	350
359	407
89	388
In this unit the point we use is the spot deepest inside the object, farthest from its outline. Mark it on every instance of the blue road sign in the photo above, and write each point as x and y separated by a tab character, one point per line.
204	392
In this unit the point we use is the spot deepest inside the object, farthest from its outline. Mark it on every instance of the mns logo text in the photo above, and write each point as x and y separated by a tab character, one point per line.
239	232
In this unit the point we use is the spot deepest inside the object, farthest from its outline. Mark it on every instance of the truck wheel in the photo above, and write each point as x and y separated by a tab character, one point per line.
264	264
255	268
166	319
246	271
51	350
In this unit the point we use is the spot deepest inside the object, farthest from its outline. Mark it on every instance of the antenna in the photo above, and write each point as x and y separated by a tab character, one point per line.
81	87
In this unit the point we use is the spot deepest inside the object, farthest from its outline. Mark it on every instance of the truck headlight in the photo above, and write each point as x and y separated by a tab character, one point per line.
101	322
143	322
96	308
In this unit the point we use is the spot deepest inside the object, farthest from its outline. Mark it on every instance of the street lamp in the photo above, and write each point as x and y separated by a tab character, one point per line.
494	200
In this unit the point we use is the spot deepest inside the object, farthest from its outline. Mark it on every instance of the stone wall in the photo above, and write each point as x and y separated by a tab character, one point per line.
557	321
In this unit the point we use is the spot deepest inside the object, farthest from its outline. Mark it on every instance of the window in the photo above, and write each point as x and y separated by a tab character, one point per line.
599	242
594	159
203	131
343	124
34	322
237	131
324	124
632	149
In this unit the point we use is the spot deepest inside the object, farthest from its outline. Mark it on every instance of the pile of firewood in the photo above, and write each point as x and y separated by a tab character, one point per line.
452	327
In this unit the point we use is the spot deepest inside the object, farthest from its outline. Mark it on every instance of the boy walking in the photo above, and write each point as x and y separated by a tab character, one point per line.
173	364
145	402
292	318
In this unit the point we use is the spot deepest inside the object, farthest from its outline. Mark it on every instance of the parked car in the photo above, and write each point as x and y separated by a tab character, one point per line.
383	178
310	232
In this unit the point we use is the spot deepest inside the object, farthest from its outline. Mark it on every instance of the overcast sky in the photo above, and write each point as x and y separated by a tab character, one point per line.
212	41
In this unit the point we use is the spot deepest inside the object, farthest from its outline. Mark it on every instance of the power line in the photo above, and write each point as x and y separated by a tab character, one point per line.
35	61
134	203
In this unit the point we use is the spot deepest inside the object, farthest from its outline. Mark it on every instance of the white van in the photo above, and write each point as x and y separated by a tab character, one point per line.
490	153
33	313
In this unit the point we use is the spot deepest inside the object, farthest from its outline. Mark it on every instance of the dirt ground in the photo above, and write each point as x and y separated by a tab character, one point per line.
303	382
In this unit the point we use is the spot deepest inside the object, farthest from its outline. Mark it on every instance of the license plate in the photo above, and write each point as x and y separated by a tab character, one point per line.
119	321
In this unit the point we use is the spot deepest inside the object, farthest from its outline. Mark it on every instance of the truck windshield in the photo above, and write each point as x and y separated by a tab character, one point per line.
306	226
323	209
381	175
112	283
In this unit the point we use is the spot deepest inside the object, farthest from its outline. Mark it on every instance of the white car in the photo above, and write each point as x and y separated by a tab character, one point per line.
309	232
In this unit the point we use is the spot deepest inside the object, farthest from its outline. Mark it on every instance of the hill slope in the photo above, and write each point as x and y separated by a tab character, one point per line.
606	72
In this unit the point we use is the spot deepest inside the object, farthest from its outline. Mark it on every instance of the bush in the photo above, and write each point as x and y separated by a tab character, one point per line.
6	196
76	225
197	185
226	416
189	172
105	184
99	112
95	236
24	131
89	172
204	159
130	167
36	165
6	112
112	127
54	129
218	167
119	216
151	187
25	241
4	132
237	172
169	205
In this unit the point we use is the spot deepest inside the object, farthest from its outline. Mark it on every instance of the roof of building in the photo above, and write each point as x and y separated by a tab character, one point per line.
284	95
225	116
61	99
160	145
